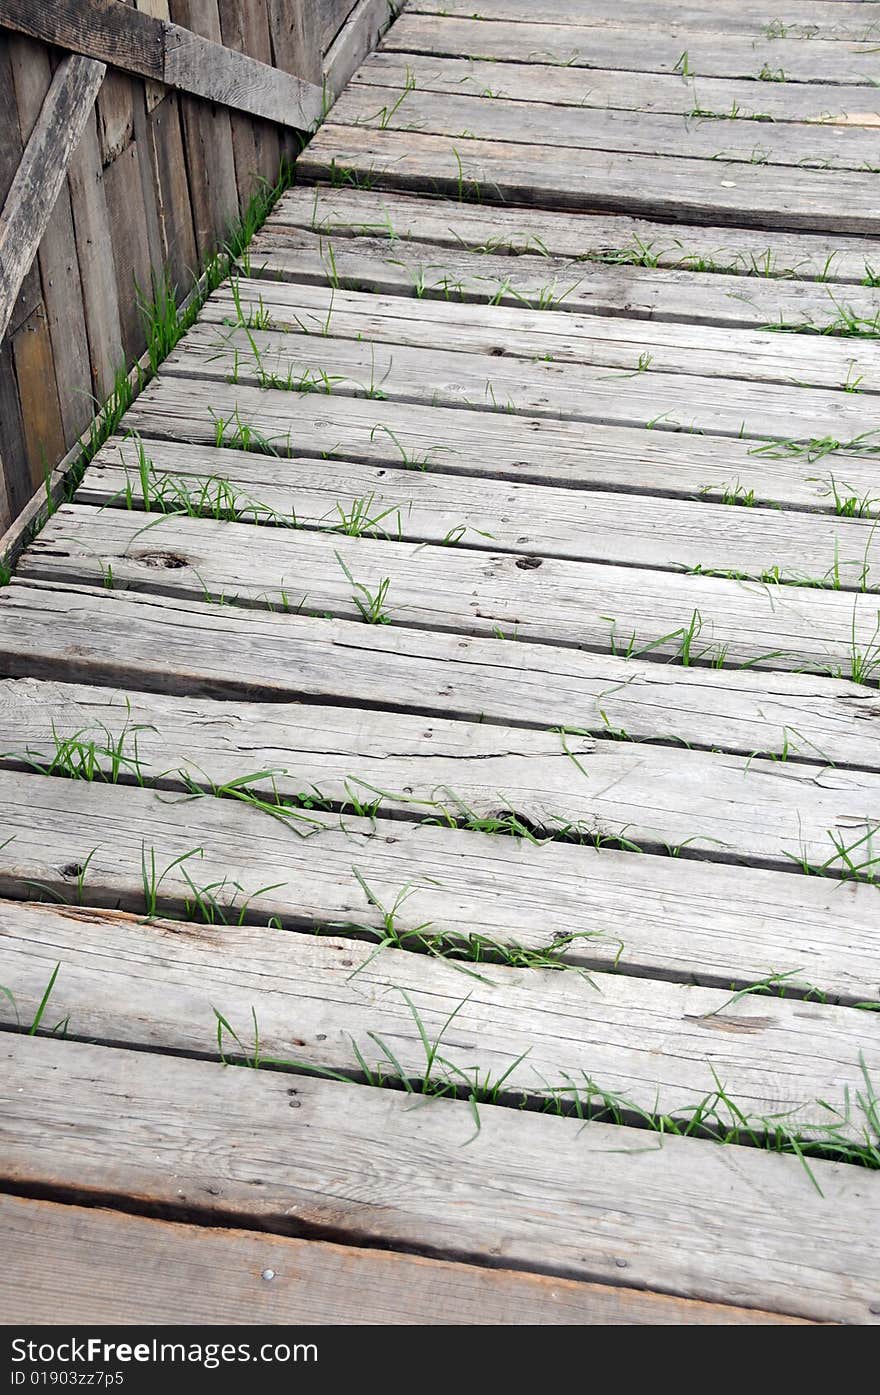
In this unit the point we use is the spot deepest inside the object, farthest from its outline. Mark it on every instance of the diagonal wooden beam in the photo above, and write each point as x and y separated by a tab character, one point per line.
37	183
123	37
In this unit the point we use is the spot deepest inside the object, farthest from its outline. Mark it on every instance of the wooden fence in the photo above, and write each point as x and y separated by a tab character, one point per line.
132	134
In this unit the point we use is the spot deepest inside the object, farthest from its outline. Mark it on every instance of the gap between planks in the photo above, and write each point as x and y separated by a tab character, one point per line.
91	1265
687	1217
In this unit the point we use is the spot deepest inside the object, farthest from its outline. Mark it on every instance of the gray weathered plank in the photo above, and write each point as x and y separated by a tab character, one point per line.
739	251
580	604
711	805
154	48
361	31
536	449
807	19
542	335
686	1215
549	283
197	649
468	117
446	377
708	191
709	55
87	1265
540	81
487	514
327	1004
37	183
678	919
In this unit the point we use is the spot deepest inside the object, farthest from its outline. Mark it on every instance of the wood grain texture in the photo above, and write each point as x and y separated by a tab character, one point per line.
570	45
168	53
486	514
196	649
646	185
360	33
580	604
446	223
647	916
729	143
807	19
334	1166
708	804
87	1265
31	197
325	1004
639	395
421	270
544	336
534	449
539	80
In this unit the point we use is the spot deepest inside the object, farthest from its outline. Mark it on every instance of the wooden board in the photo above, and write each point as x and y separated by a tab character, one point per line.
707	804
555	283
737	251
839	201
584	605
544	336
89	1265
807	19
598	87
196	649
679	920
730	143
684	1215
446	377
31	197
570	45
488	514
535	449
323	1004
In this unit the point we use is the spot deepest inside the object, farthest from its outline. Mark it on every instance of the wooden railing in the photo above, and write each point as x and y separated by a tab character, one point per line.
132	135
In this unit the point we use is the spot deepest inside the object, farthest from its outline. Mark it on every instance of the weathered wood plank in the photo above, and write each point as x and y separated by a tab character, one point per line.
540	81
198	649
711	805
647	916
57	253
549	283
710	191
87	1265
35	188
447	377
486	514
737	251
137	42
639	1203
730	143
91	220
327	1004
570	45
536	449
361	31
544	336
580	604
801	19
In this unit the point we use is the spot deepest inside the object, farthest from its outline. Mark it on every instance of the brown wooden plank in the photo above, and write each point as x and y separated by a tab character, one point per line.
72	1264
91	220
695	1218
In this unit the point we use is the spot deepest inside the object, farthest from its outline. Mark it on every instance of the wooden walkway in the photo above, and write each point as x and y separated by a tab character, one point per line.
585	816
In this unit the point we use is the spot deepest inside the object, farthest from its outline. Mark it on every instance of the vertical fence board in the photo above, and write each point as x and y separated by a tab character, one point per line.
210	156
92	222
175	209
56	259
